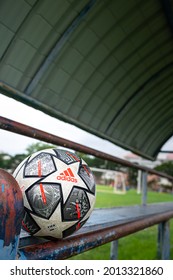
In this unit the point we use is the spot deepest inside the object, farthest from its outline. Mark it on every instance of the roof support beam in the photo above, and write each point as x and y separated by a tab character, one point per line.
58	46
167	8
153	78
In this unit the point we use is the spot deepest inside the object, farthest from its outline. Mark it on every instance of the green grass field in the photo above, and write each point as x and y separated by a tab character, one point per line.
139	246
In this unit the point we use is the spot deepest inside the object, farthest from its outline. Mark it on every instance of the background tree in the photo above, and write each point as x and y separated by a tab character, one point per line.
9	162
33	148
5	161
132	176
166	167
98	162
15	161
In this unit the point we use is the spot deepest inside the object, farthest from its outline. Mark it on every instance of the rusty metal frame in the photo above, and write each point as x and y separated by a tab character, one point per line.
77	244
95	236
19	128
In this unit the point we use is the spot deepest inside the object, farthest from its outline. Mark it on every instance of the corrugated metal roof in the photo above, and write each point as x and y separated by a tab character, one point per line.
105	66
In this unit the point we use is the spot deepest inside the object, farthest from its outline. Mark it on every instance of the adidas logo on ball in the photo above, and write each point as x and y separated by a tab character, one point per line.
67	175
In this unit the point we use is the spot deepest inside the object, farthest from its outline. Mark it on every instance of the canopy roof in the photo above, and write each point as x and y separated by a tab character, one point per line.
103	65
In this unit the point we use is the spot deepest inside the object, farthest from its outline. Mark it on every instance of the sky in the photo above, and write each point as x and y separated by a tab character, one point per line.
12	143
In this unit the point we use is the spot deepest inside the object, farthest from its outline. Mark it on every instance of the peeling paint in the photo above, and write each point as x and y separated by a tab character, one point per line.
11	214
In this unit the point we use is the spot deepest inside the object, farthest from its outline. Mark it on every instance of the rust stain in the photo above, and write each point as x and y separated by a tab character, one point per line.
11	208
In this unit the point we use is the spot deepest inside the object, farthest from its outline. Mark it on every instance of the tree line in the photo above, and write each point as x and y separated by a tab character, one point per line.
10	162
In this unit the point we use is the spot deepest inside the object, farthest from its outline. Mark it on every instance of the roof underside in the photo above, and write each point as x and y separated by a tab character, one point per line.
103	65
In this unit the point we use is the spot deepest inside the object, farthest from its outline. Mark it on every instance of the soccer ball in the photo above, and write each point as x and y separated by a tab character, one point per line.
58	190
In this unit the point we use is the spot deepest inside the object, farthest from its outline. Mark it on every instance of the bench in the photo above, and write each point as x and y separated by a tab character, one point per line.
104	225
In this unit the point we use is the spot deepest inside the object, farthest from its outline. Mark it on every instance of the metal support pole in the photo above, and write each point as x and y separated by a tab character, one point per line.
139	182
164	241
159	241
114	250
144	187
